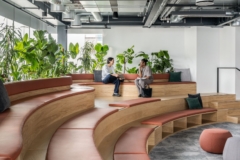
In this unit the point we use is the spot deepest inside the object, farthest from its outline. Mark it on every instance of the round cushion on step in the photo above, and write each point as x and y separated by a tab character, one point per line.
231	149
213	140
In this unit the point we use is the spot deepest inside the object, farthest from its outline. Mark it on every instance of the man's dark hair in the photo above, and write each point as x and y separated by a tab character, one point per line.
109	59
145	61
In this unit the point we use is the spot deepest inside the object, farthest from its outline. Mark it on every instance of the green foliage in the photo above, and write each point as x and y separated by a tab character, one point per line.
85	57
27	58
101	52
161	62
132	70
124	58
8	56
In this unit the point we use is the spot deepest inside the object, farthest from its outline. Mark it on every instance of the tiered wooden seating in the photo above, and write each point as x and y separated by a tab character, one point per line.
169	123
75	138
133	144
32	111
161	86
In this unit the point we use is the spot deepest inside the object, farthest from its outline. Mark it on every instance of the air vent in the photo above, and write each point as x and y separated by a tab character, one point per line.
204	2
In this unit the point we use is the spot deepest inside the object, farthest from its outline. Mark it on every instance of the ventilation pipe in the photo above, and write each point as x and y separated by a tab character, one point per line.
178	16
97	16
164	16
167	9
77	22
68	16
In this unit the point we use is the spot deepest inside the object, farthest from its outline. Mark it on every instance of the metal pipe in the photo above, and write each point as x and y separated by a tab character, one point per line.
150	3
167	9
170	10
160	10
97	16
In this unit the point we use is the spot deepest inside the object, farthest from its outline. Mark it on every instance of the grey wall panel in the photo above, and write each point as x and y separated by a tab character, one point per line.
62	35
6	10
22	17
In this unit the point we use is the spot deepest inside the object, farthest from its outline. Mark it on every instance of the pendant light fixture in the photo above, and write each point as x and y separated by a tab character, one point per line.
204	2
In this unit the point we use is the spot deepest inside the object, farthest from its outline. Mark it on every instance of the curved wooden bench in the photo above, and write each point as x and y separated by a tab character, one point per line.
133	142
23	89
159	88
74	139
133	102
128	77
26	118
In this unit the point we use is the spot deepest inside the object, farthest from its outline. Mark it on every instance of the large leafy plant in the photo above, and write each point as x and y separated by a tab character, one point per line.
8	55
161	62
101	52
124	58
85	57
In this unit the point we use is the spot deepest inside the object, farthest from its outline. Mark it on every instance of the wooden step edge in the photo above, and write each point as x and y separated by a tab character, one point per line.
232	119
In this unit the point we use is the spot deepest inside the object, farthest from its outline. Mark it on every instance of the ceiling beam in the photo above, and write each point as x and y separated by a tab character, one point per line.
194	5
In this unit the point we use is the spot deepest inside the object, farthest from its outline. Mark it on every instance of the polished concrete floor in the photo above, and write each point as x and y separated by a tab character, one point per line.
184	145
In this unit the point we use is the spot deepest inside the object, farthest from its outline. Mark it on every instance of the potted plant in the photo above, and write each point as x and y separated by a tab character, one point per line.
124	58
99	61
162	62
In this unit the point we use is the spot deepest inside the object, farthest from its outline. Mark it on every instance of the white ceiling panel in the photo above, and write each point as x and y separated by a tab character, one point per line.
104	6
90	6
131	6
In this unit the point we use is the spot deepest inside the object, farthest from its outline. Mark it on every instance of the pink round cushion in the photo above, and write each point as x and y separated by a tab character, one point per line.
213	140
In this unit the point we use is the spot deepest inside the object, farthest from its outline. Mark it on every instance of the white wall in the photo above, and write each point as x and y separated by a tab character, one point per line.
227	59
144	39
237	61
202	49
191	51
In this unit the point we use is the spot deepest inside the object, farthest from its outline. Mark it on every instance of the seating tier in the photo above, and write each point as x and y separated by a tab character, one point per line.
75	138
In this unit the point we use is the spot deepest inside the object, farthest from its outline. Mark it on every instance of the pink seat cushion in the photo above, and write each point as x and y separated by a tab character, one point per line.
213	140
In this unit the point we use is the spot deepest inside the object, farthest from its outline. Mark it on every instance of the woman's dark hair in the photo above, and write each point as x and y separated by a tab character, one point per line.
145	61
109	60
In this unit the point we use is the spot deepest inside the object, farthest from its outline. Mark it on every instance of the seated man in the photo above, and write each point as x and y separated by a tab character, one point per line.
109	76
145	76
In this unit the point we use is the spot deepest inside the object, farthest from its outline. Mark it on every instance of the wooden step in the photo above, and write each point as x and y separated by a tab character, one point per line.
225	104
233	119
234	112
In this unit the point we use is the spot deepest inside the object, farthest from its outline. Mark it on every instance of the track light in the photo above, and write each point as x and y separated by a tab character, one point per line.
115	15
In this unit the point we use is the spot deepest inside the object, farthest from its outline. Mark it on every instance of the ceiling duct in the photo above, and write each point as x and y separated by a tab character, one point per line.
204	2
164	16
68	16
97	16
236	23
76	23
57	8
167	8
157	9
178	16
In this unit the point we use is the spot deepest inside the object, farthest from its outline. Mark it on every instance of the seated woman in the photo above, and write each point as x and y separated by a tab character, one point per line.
145	76
109	76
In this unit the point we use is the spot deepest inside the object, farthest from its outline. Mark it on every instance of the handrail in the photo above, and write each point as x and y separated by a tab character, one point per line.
218	68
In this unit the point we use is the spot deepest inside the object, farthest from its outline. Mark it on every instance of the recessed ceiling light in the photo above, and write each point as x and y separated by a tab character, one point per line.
204	2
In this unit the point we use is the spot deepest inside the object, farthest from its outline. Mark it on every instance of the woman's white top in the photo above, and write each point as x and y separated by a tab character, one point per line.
106	70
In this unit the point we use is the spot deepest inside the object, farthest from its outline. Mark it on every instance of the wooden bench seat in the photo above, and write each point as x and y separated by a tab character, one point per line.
75	138
131	142
131	83
133	102
165	118
13	120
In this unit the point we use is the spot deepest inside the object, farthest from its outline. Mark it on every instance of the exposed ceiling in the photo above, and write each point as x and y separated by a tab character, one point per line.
146	13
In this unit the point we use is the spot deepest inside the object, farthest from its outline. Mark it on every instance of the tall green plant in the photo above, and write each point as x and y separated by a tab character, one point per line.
161	62
8	56
101	52
124	58
85	56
